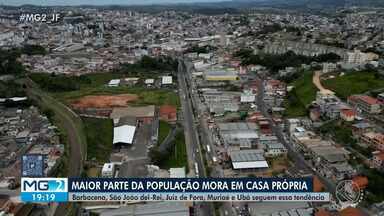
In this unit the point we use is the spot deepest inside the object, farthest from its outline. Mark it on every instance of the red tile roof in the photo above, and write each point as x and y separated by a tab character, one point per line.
348	112
365	98
167	109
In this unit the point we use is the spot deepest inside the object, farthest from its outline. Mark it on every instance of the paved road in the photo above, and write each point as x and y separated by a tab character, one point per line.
193	145
297	157
195	155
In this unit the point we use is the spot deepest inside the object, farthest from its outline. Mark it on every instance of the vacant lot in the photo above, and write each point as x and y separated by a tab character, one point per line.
301	96
164	129
145	96
178	153
69	88
103	101
99	134
354	83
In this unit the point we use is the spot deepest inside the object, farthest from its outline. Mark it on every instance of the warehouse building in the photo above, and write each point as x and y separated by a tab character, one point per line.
221	75
239	135
248	159
124	134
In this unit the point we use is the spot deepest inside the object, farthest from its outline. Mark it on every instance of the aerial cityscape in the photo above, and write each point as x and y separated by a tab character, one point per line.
182	89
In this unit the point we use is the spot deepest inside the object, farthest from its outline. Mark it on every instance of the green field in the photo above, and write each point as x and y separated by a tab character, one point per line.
94	84
354	83
177	155
99	134
164	129
301	96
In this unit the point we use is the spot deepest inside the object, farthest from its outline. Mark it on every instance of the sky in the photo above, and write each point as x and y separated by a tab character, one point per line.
96	2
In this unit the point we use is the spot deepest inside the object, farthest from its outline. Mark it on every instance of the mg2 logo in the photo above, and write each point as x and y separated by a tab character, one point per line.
44	185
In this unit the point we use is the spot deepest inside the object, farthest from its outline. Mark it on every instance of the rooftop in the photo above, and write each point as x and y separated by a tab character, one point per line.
166	80
139	112
247	155
365	98
124	134
166	109
177	172
237	126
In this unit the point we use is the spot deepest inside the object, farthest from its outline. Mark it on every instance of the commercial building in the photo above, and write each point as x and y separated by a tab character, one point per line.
248	159
240	139
220	102
221	75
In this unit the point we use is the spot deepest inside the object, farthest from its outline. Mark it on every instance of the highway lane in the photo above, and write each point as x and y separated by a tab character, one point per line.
205	136
192	137
189	124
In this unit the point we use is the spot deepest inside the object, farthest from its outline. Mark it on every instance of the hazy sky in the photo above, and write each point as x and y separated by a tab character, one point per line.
96	2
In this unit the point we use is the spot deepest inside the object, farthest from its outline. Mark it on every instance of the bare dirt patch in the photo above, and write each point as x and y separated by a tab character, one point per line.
103	101
317	83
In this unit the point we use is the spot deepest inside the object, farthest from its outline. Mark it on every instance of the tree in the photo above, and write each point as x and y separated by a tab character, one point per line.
156	156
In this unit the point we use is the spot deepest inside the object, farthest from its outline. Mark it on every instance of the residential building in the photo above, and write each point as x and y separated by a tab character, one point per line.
329	67
376	140
348	115
365	104
378	160
360	128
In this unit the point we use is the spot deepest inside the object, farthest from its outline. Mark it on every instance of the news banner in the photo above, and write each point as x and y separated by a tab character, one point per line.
169	189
